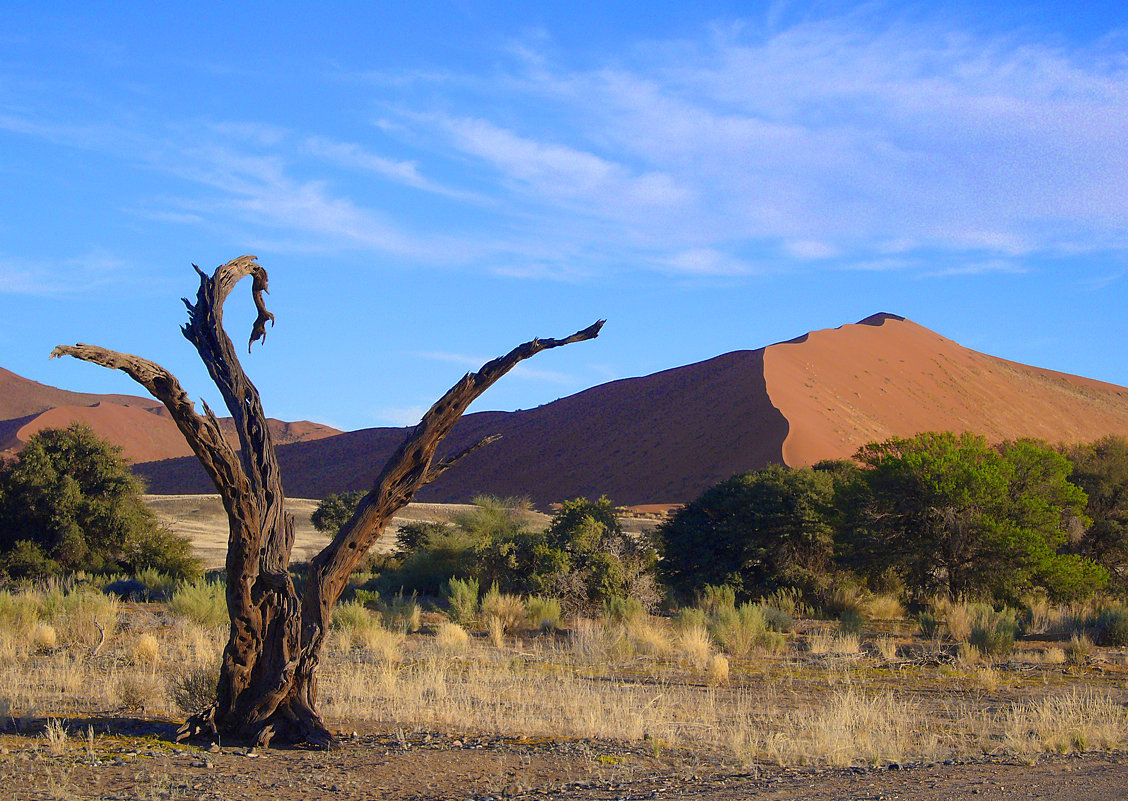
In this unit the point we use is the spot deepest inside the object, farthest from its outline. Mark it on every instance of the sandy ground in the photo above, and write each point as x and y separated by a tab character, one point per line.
128	761
201	518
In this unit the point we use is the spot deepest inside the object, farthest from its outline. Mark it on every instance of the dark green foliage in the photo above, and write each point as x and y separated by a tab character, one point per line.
69	502
952	515
1110	626
1101	469
753	533
992	633
417	534
334	511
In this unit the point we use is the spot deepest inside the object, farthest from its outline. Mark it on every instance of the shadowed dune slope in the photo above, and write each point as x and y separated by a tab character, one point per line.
660	438
841	388
666	437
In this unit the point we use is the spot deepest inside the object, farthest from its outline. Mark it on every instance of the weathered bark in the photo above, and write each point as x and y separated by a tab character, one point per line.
268	680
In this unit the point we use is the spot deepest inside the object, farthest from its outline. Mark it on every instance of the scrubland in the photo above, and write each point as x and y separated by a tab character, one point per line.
745	685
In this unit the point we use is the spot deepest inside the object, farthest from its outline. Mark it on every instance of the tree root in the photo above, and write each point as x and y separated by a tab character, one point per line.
286	725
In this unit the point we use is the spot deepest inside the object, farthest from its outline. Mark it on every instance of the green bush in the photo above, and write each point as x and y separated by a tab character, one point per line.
992	633
400	612
352	616
740	630
930	624
461	597
713	598
544	613
1110	626
618	609
69	502
202	602
689	617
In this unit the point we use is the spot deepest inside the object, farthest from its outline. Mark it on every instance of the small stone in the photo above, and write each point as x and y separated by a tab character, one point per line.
214	748
894	766
456	744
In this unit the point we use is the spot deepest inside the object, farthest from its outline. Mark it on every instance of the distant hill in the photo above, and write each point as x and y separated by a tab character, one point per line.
141	426
665	437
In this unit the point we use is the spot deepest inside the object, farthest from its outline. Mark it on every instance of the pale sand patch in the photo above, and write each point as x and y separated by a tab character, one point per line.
201	518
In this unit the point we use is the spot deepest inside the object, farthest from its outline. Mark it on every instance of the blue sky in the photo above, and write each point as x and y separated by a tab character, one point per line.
428	188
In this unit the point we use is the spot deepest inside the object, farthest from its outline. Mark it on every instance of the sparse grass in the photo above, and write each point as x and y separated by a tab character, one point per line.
886	648
451	637
56	736
617	681
1079	650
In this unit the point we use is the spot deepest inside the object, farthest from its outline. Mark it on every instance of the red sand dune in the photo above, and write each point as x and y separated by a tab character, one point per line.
143	436
666	437
142	427
20	397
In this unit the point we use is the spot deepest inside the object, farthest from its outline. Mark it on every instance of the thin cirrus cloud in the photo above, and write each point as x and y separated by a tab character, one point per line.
826	140
833	143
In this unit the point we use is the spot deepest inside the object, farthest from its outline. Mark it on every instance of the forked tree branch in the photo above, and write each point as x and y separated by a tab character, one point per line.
200	431
409	468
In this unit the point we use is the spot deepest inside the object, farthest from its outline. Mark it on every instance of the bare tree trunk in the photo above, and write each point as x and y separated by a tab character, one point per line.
268	680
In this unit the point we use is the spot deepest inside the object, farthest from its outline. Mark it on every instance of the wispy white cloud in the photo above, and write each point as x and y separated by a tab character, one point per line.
63	277
844	142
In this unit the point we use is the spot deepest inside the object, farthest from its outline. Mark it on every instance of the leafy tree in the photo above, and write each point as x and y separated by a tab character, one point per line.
754	532
335	510
953	515
1101	469
586	558
69	502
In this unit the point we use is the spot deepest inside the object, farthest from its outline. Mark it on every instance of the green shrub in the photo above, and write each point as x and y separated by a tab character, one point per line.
401	612
930	624
351	616
202	602
544	613
618	609
992	633
1111	626
778	620
69	502
461	597
689	617
714	598
740	630
851	622
158	586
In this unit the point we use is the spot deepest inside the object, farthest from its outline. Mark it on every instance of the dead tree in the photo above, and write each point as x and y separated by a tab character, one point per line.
268	681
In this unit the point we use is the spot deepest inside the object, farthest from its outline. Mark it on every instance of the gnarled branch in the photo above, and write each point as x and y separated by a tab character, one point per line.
201	432
409	468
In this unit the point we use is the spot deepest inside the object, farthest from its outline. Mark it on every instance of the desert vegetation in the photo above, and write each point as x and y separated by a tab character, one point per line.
741	682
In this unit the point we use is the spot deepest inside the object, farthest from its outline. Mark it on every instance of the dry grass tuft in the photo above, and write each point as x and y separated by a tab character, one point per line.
451	637
1080	720
717	670
694	646
44	638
